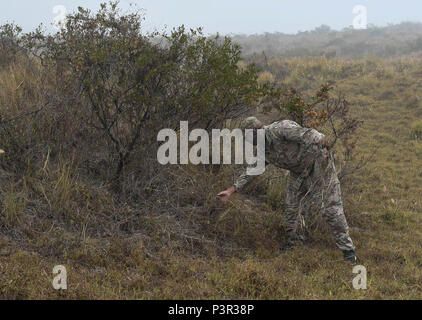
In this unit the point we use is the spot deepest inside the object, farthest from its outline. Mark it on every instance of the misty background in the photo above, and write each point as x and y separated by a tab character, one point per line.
226	17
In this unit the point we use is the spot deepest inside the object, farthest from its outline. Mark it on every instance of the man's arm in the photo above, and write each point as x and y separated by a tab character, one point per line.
224	196
242	180
238	185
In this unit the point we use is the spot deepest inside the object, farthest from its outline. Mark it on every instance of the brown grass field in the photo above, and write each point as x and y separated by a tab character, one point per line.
56	214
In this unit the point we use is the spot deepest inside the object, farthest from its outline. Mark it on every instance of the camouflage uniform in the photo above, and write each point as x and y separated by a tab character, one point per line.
312	179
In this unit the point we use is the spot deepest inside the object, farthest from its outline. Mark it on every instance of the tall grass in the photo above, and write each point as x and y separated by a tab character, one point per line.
165	235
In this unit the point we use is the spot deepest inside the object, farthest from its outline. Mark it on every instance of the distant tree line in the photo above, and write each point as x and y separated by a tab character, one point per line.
390	41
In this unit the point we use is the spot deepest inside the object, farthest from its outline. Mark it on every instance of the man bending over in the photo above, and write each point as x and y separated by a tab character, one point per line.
312	179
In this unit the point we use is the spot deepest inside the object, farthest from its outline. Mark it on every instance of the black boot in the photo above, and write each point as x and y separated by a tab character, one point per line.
350	256
286	247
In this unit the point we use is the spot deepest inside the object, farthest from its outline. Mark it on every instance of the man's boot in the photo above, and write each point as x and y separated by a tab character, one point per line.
350	256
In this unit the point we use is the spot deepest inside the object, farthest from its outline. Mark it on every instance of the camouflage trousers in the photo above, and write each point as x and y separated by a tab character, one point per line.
320	188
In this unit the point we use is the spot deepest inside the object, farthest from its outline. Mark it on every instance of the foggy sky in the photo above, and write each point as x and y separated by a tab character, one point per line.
227	16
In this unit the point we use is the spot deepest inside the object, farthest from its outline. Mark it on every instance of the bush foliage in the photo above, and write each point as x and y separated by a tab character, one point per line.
119	86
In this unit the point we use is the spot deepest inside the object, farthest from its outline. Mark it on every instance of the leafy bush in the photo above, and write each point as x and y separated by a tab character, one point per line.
131	84
10	43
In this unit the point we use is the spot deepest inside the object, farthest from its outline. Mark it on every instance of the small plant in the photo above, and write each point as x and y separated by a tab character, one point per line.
416	130
266	78
14	204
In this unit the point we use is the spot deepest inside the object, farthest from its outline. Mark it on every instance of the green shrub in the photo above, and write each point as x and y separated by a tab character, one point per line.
133	84
10	43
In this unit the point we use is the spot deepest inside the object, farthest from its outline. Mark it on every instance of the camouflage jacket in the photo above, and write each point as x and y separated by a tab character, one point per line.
288	146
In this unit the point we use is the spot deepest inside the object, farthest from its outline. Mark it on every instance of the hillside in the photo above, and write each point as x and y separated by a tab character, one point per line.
161	234
391	41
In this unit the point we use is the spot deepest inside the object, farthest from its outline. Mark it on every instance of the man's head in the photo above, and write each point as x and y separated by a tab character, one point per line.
254	124
251	123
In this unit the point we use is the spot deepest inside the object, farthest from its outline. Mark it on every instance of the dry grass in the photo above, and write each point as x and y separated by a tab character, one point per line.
183	244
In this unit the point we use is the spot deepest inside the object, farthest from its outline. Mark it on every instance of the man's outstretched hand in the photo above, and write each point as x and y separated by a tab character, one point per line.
224	196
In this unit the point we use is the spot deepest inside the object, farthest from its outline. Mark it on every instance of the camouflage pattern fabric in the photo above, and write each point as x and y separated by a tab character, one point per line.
312	179
250	123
